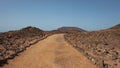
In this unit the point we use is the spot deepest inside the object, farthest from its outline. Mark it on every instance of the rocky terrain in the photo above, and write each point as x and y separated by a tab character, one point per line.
14	42
101	47
52	52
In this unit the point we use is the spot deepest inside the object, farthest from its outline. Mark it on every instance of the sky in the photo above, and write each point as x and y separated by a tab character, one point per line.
52	14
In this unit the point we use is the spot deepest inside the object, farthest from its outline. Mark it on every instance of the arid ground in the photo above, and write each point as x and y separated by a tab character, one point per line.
65	47
52	52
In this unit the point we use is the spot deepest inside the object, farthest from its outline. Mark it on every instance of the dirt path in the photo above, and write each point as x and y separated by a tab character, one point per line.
53	52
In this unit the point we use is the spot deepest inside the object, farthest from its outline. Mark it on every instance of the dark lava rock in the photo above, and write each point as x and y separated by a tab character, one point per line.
14	42
103	44
70	28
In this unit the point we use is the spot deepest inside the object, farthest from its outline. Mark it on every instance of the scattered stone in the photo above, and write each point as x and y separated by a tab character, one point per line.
14	42
103	44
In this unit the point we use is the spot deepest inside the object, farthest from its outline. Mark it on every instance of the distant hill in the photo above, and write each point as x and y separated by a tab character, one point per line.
116	27
70	28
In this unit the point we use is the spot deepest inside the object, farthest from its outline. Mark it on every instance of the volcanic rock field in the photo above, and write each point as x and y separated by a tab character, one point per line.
65	47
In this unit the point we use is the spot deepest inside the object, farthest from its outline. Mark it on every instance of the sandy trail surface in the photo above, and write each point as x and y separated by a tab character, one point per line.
52	52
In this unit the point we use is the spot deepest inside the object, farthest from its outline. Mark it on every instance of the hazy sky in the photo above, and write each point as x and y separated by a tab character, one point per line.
51	14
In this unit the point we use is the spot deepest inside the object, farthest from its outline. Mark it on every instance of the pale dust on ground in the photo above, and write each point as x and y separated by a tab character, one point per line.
52	52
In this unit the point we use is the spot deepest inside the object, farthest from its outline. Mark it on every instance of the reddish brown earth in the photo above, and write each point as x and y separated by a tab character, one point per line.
14	42
52	52
101	47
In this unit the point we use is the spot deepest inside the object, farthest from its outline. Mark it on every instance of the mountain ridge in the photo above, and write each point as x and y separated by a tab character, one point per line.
99	45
